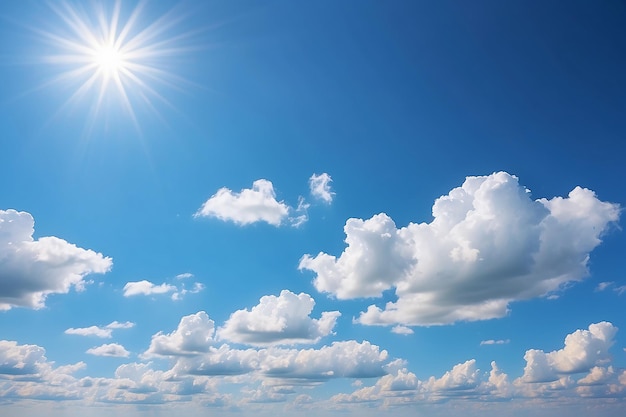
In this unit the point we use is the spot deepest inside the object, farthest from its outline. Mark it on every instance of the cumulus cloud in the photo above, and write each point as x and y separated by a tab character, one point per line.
583	350
103	332
145	287
488	245
348	359
279	320
320	187
112	350
248	206
193	335
31	269
20	359
196	352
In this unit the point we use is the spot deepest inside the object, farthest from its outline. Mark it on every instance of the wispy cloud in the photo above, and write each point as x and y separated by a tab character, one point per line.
494	342
104	332
320	187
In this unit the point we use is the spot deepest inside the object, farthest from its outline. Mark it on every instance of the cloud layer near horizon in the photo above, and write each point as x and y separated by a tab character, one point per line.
31	269
488	245
581	369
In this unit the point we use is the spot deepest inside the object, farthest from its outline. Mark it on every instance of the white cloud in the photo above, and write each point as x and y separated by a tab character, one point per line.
20	359
193	335
279	320
348	359
103	332
489	244
111	350
184	275
90	331
194	344
118	325
494	342
320	187
246	207
583	350
604	285
402	330
31	269
462	377
146	288
178	295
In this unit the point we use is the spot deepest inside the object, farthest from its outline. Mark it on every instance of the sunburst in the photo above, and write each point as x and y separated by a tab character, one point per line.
104	56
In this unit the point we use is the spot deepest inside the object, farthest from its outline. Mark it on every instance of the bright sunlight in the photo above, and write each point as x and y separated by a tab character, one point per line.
112	53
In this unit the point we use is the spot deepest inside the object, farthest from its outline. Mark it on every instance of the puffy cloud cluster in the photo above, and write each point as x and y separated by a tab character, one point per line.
580	370
212	374
348	359
197	352
488	244
320	187
248	206
31	269
20	359
279	320
100	331
583	350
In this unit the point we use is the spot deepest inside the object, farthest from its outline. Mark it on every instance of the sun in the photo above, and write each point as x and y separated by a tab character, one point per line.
109	60
110	53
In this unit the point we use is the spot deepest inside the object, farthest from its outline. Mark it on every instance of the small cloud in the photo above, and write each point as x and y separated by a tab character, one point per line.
320	187
248	206
184	275
604	285
112	350
118	325
620	290
495	342
402	330
90	331
146	288
100	331
301	214
178	295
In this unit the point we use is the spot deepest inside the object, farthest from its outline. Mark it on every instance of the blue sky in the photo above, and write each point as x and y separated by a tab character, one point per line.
314	208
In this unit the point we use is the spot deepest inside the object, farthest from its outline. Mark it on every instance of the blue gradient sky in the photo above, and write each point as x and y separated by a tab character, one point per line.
221	280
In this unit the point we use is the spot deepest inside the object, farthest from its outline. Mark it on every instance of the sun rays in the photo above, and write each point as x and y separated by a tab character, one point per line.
112	57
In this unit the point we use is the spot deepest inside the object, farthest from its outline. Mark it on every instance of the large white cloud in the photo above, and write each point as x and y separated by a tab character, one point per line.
248	206
279	320
348	359
489	244
20	359
31	269
193	335
320	187
584	349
